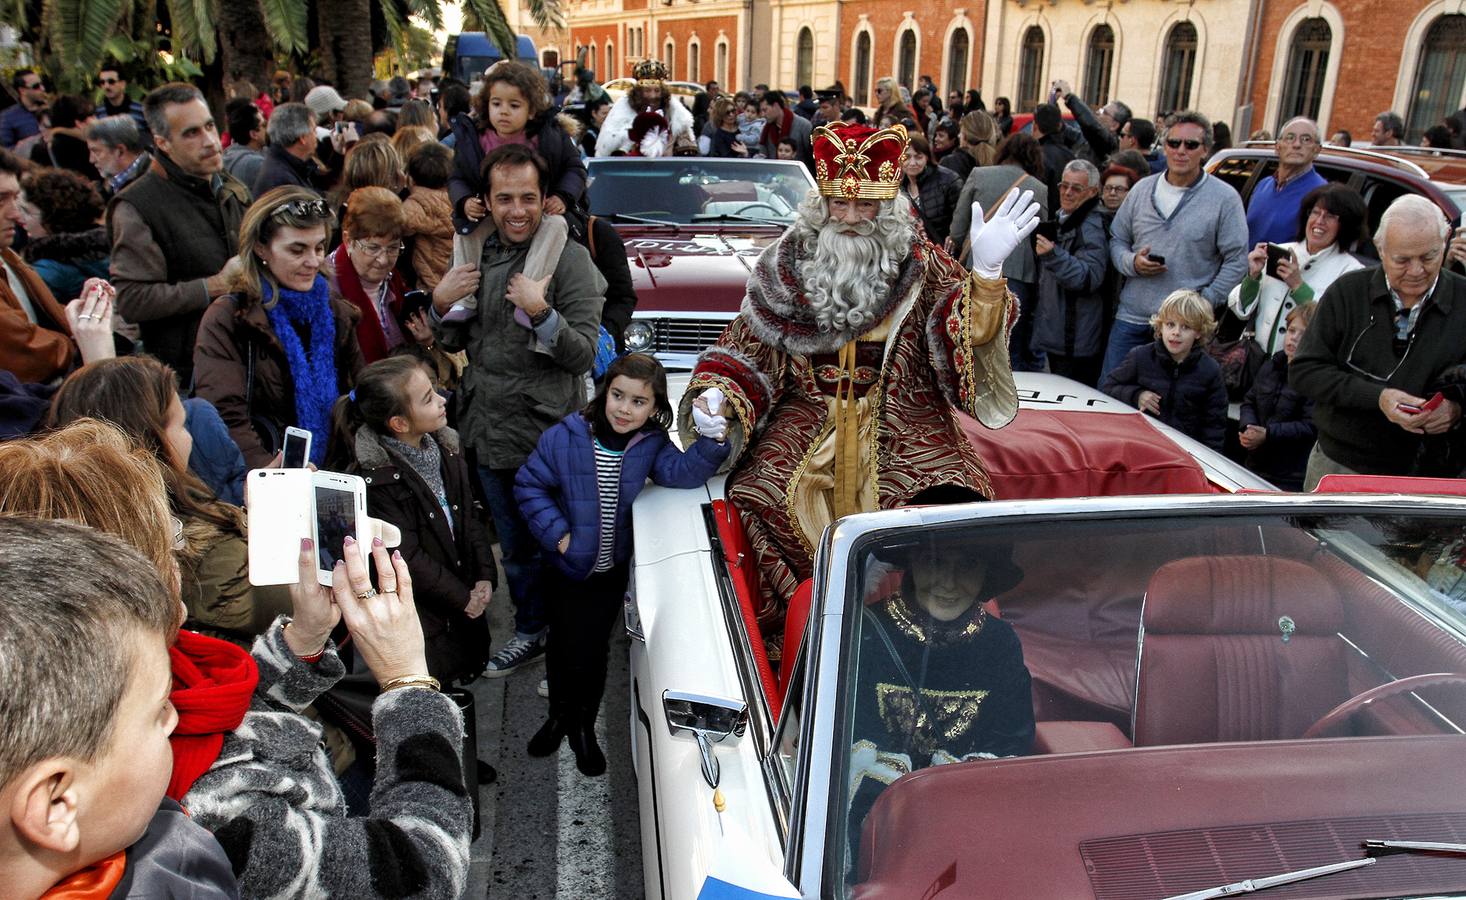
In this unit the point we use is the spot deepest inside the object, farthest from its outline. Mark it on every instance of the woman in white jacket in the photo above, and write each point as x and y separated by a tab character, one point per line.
1331	218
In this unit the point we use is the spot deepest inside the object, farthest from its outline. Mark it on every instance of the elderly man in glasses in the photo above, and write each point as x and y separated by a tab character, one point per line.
175	229
1272	213
1180	229
1373	358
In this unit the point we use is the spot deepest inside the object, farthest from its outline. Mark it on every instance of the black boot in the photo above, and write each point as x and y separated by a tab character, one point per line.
588	756
547	740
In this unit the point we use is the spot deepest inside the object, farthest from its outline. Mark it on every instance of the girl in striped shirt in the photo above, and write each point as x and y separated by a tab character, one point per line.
575	492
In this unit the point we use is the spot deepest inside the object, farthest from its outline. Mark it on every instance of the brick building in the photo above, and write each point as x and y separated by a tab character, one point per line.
1345	61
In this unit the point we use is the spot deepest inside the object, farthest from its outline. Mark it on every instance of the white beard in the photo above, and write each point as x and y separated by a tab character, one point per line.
849	276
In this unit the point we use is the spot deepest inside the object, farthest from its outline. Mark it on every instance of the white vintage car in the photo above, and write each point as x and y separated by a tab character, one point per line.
1217	682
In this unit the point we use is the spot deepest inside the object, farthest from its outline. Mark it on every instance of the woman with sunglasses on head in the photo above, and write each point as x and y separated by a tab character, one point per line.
282	347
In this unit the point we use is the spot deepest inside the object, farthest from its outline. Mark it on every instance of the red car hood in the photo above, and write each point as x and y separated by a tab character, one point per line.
692	271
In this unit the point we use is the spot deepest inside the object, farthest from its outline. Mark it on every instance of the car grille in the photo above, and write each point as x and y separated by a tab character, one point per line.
685	335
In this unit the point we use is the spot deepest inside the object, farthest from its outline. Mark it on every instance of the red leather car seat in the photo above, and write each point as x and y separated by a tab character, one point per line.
1213	662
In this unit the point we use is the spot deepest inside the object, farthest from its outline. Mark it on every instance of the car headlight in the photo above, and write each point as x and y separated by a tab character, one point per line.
639	336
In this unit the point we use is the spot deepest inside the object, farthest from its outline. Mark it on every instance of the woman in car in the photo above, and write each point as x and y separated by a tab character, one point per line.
1331	220
940	679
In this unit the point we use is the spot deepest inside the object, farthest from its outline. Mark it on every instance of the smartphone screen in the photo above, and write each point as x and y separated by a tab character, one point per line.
335	519
296	448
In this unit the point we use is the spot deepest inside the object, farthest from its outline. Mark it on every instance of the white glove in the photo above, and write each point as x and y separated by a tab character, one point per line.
715	427
992	242
710	424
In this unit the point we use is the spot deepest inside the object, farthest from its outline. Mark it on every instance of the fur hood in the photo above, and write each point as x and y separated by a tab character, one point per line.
370	454
615	130
90	245
778	313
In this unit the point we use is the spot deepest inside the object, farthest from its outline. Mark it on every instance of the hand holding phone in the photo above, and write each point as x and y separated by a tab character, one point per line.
339	513
297	450
1276	253
1425	407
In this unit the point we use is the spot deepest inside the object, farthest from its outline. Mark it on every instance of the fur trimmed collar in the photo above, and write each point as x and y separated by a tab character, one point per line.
86	245
778	313
616	129
370	454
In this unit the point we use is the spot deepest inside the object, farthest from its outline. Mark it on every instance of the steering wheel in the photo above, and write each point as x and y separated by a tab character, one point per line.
766	206
1334	719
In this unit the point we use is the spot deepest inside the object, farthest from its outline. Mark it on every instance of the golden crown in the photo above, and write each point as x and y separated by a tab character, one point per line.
650	72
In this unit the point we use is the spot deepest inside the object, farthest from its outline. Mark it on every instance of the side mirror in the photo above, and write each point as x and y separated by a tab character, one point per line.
709	719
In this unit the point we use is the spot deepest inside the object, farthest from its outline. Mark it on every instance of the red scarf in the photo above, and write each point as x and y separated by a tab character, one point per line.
96	882
213	682
369	331
773	134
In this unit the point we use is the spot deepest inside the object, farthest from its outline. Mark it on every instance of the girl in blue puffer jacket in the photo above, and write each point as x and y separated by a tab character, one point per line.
575	492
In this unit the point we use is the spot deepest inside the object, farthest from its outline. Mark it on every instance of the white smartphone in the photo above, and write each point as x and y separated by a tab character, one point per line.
296	453
339	510
279	503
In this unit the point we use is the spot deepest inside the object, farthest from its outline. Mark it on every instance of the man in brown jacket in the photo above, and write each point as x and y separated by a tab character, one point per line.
174	230
35	340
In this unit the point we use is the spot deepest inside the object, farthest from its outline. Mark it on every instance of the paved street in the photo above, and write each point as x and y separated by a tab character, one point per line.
547	830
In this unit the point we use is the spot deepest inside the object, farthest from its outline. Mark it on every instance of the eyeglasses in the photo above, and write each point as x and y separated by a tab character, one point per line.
109	81
303	208
1378	379
1068	188
1291	138
178	542
377	251
1175	144
31	87
1116	188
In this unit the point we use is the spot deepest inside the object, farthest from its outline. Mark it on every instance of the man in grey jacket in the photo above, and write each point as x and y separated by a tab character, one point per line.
1181	229
529	349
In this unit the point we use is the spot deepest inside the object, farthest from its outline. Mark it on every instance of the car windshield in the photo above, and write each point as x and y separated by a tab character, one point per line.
988	639
686	191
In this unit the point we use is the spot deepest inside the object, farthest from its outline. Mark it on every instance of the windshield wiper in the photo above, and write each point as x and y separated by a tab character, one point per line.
731	217
641	220
1252	885
1423	846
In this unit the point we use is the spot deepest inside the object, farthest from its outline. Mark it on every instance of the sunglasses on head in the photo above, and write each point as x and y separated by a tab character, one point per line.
302	208
1175	144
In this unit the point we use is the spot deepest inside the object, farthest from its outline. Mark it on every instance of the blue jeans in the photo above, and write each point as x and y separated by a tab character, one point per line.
519	552
1124	337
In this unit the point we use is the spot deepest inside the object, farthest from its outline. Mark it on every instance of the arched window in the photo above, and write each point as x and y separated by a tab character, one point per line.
957	61
1180	65
1030	69
720	70
906	66
669	56
1098	63
804	58
862	67
694	61
1439	76
610	63
1308	63
595	54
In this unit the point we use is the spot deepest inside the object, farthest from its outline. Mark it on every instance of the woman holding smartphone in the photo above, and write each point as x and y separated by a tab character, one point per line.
1331	219
725	140
282	347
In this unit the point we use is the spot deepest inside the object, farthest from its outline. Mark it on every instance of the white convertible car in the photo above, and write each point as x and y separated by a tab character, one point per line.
1216	683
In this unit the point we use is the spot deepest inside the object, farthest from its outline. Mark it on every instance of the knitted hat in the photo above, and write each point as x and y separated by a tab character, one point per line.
323	100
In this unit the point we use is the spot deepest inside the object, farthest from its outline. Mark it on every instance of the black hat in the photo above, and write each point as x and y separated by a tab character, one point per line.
834	94
1002	574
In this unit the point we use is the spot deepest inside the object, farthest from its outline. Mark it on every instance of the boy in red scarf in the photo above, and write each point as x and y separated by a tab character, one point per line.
85	683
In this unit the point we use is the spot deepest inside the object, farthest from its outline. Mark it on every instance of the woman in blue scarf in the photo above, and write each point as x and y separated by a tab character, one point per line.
281	348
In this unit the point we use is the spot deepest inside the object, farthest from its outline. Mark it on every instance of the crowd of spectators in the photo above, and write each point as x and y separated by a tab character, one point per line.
417	282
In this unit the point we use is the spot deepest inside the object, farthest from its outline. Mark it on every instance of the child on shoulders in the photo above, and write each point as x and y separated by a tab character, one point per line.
576	492
1173	378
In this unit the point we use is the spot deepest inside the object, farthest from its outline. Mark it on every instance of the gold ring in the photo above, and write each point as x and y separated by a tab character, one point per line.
366	594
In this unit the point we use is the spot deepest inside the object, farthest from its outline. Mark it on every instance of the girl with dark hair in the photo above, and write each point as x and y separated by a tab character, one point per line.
576	492
282	347
139	395
1331	221
512	107
393	431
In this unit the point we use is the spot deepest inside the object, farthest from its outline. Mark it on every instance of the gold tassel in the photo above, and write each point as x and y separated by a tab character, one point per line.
847	437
